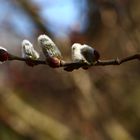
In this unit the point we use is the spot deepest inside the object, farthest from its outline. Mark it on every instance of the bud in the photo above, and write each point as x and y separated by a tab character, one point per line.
49	48
29	53
84	53
28	50
4	55
54	62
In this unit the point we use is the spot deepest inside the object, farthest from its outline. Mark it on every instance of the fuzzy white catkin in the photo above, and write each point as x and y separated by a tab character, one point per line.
2	48
83	53
28	50
49	48
76	52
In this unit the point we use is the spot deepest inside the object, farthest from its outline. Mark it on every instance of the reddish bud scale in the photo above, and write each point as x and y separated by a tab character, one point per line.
4	55
53	62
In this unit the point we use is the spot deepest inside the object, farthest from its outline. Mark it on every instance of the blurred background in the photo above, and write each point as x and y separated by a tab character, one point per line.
42	103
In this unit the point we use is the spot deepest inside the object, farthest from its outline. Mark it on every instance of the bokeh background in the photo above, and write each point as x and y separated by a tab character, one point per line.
41	103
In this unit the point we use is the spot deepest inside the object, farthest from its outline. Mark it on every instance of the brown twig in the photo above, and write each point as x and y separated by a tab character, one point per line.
36	62
118	61
69	66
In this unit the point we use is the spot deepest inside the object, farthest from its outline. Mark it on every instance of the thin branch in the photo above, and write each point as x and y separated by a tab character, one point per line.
36	62
69	66
117	61
76	65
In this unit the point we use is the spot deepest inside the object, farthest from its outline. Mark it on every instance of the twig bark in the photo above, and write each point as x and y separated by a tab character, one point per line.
118	61
69	66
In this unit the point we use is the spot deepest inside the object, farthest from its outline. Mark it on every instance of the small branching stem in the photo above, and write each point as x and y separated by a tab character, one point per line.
76	65
117	61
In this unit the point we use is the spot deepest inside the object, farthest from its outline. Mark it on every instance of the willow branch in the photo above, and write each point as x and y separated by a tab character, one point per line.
36	62
118	61
77	65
